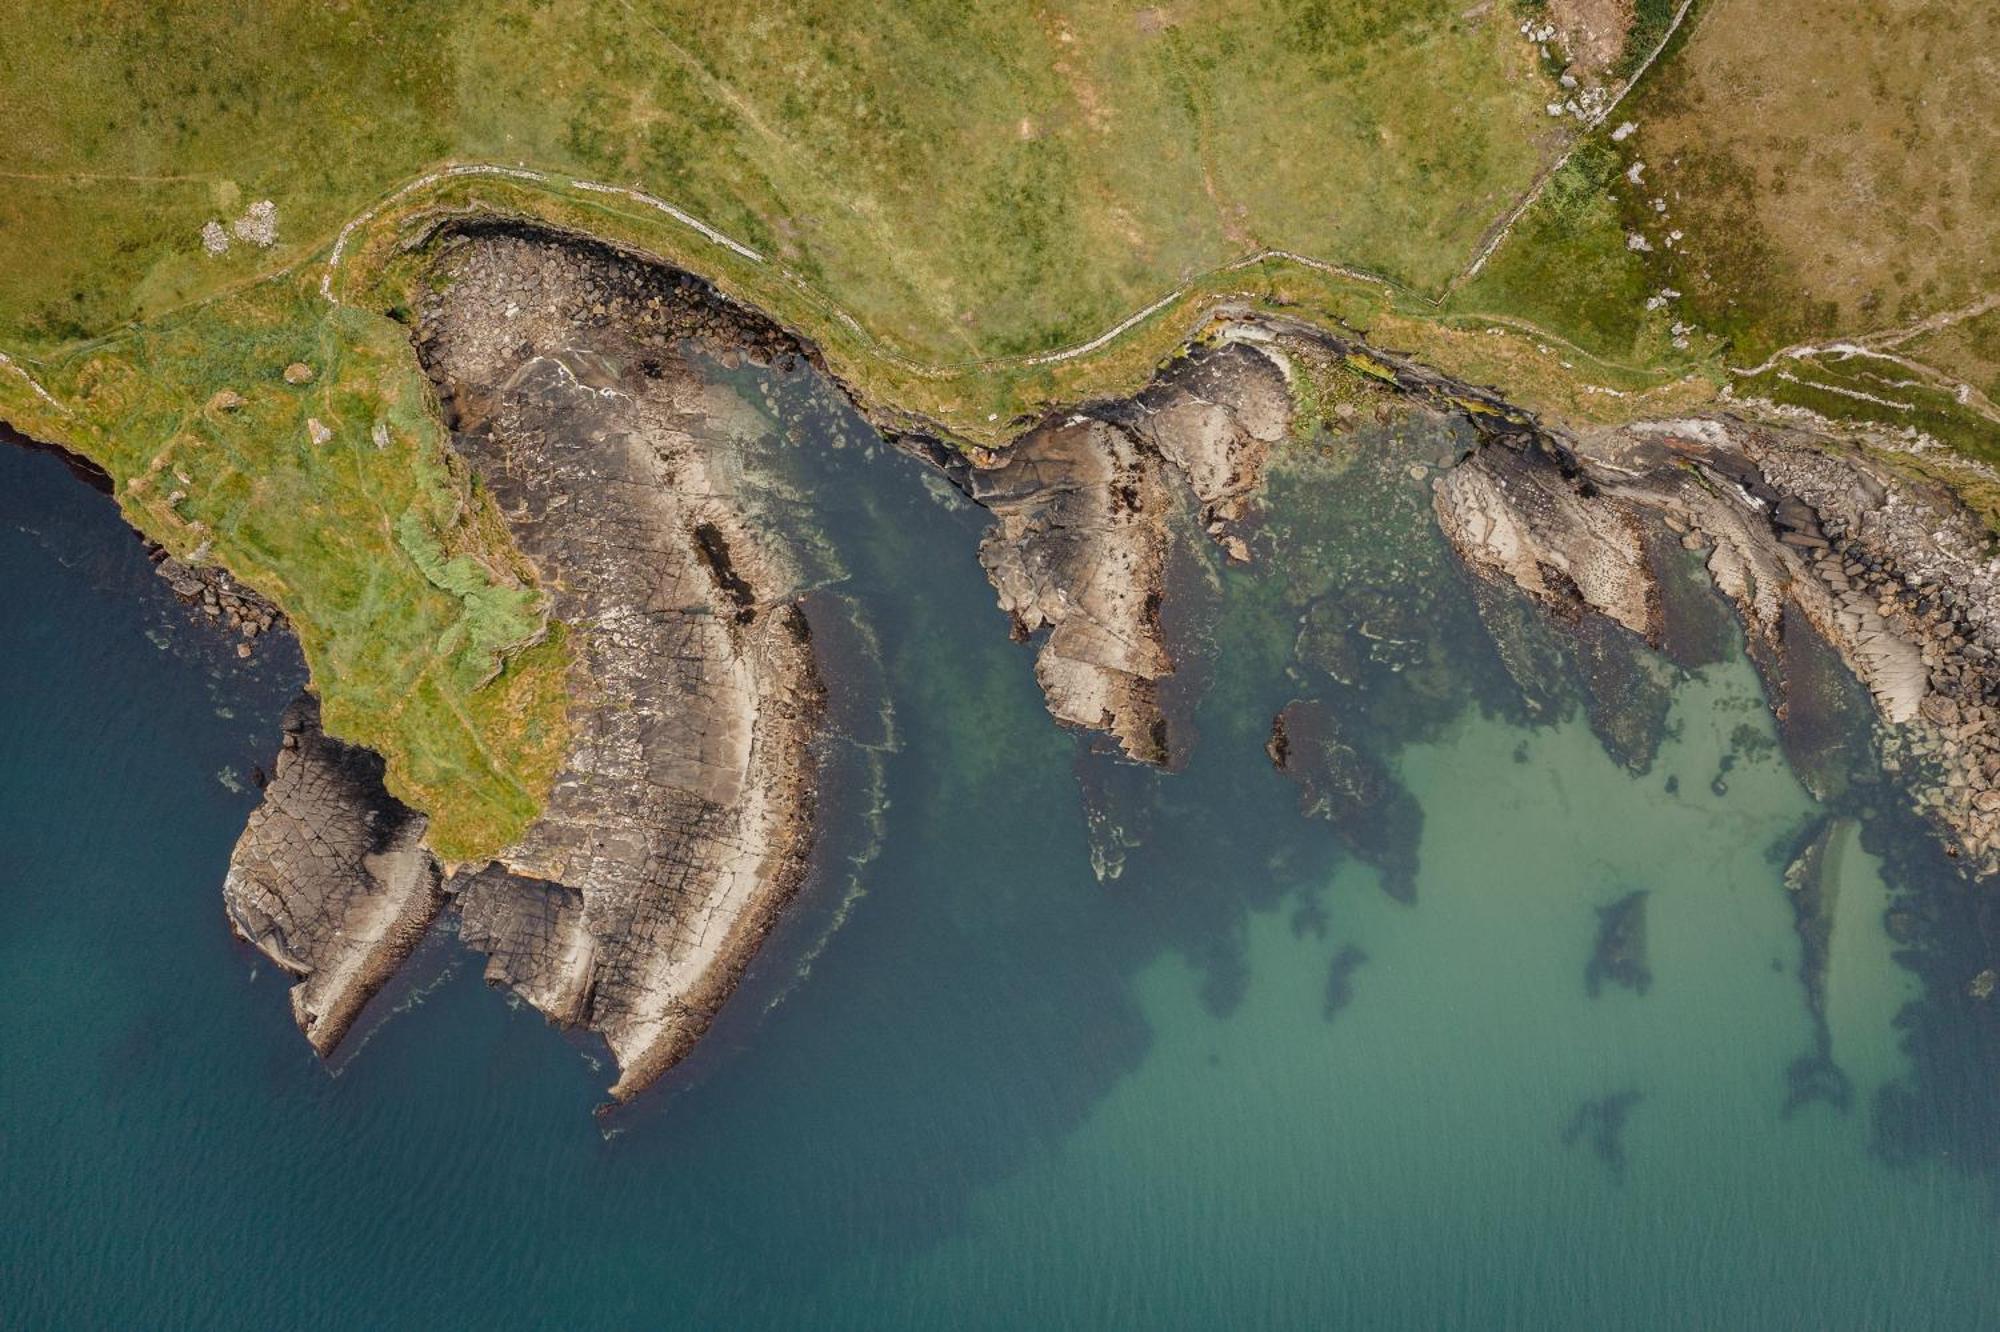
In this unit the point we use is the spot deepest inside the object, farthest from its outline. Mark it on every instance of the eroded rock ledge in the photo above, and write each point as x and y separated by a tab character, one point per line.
682	816
1802	535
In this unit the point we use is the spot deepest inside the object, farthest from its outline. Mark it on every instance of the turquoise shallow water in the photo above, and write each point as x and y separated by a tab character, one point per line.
977	1087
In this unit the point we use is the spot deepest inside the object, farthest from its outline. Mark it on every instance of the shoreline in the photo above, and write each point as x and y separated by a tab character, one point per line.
1771	515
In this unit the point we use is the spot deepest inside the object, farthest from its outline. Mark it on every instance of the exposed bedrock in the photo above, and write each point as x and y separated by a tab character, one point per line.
1807	539
1087	510
330	878
681	819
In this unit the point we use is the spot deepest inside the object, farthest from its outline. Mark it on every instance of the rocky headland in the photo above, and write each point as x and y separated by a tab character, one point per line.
1087	509
682	817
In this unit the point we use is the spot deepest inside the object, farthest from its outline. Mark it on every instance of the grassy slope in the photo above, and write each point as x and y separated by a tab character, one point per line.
968	180
426	635
1828	168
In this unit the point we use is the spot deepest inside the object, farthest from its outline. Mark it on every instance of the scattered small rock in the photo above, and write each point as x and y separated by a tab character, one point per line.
258	225
298	372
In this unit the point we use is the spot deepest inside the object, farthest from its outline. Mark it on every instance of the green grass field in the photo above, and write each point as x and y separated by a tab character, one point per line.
969	181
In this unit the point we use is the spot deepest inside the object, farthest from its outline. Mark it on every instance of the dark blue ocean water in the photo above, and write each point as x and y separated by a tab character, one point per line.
974	1086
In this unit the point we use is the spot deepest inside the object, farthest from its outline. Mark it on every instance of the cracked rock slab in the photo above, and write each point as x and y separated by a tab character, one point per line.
682	816
331	879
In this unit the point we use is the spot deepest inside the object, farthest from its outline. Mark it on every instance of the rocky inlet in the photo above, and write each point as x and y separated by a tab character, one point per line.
683	815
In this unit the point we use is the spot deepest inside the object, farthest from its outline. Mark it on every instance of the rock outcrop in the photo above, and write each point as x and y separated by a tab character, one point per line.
1087	509
682	816
1803	535
331	879
221	598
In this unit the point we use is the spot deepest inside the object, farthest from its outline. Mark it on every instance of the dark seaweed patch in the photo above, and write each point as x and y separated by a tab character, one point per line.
1601	1122
1620	954
714	550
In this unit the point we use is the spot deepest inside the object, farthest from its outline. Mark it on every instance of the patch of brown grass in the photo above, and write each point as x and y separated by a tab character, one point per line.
1830	166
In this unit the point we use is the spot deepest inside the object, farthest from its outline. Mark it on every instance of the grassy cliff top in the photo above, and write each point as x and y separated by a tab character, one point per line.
1601	207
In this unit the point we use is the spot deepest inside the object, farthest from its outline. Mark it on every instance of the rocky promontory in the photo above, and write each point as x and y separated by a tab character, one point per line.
1087	508
680	821
682	816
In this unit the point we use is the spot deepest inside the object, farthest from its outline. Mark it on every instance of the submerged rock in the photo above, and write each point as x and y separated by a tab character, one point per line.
331	879
1374	815
1601	1122
1812	886
1118	801
1619	955
1627	693
1340	979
